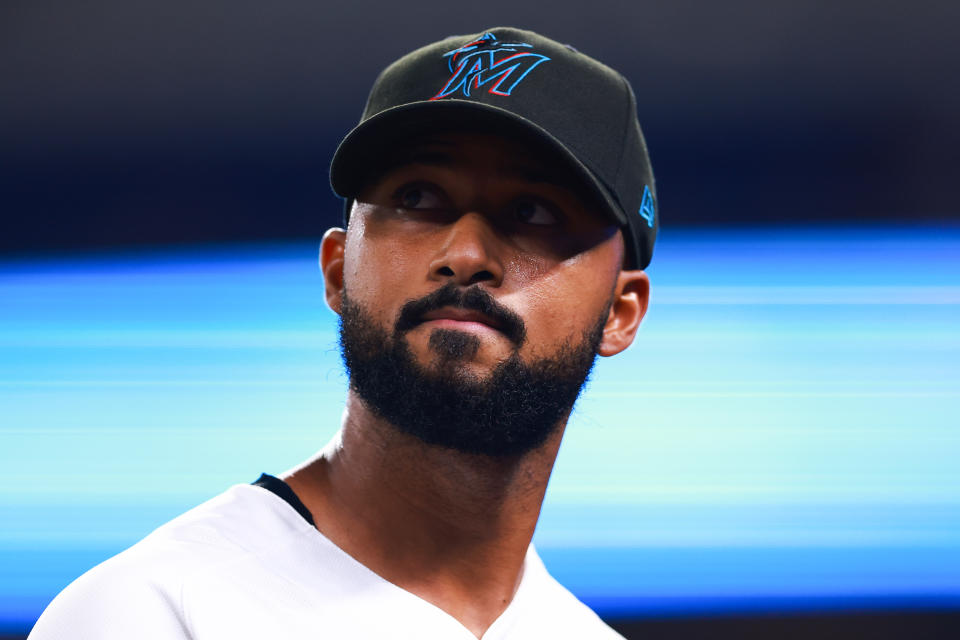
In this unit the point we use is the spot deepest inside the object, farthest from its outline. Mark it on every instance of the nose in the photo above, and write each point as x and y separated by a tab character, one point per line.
468	253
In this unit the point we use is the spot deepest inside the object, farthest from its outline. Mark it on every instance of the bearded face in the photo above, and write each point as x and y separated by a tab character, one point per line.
507	413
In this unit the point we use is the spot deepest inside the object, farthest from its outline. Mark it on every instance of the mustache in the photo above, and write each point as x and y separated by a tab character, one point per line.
473	298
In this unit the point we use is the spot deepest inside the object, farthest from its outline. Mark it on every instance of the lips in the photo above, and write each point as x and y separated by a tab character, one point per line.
462	315
456	307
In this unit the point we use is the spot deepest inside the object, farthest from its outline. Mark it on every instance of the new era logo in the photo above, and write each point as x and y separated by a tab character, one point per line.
647	209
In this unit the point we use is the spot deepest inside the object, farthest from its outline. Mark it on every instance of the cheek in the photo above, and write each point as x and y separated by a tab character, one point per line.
562	308
567	299
376	271
524	269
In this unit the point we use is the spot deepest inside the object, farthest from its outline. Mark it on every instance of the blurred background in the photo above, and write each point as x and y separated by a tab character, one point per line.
775	456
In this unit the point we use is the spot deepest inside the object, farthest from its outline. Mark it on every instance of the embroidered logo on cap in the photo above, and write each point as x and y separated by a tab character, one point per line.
647	209
488	61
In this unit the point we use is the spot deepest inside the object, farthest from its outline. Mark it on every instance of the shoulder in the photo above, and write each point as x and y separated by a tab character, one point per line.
139	592
547	609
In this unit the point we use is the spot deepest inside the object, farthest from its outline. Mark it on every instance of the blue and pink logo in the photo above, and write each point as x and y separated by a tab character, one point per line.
488	61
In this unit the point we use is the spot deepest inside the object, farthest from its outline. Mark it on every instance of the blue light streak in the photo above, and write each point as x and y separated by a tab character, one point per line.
782	434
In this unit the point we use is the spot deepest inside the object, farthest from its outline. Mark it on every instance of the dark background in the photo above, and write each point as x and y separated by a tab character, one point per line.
127	124
139	123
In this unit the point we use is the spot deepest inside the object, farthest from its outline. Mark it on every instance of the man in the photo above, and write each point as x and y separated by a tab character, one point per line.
500	212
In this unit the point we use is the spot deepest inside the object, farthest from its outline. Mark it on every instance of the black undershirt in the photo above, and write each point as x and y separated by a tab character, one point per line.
283	490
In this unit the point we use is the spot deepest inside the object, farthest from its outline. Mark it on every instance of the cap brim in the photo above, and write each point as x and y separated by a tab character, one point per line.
367	144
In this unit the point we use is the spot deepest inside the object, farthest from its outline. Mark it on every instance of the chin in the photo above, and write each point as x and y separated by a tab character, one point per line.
449	350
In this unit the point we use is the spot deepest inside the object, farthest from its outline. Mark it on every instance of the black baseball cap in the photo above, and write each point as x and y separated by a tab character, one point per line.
523	85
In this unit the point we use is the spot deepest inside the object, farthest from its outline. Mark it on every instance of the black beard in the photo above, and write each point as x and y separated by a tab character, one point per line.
511	413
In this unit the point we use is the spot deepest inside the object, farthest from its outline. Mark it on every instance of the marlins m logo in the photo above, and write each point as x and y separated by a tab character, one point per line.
488	61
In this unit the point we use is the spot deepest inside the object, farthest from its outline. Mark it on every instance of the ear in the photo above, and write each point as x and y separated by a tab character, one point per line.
630	299
331	265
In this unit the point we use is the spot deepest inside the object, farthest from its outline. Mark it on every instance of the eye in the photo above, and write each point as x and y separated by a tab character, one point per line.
533	212
418	196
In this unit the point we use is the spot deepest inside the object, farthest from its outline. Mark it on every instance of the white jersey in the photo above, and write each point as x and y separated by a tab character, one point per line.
247	565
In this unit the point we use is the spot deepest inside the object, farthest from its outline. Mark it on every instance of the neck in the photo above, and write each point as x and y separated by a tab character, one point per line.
450	527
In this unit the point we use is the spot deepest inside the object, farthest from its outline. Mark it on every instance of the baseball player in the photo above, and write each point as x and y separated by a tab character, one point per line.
500	210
